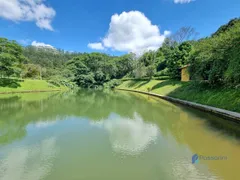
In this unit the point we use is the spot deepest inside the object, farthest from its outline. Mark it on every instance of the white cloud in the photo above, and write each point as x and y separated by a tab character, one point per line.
41	44
132	32
28	10
167	33
182	1
97	46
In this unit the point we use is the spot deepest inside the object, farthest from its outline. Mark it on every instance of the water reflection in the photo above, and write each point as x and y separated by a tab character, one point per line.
20	110
129	136
44	124
29	162
132	123
183	170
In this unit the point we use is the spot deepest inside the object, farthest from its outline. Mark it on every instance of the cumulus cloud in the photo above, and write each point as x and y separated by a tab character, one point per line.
182	1
28	10
132	32
41	44
97	46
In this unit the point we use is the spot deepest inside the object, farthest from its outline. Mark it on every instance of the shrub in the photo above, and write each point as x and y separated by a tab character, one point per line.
112	84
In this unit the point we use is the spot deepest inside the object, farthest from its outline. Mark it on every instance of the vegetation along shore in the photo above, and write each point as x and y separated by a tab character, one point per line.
220	97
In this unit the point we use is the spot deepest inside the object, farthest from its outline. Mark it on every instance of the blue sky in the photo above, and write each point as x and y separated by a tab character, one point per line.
114	27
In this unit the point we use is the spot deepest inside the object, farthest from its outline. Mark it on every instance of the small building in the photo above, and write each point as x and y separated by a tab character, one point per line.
185	76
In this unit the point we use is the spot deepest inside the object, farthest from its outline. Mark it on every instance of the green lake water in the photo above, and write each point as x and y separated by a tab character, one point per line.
95	135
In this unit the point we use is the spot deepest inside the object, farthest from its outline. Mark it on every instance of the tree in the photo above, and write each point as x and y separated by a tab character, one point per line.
124	65
139	70
148	58
216	58
160	61
85	80
150	71
99	77
11	58
226	27
98	68
184	34
185	50
178	56
32	71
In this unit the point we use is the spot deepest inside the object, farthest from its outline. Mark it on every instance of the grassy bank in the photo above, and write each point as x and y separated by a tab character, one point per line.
14	85
224	98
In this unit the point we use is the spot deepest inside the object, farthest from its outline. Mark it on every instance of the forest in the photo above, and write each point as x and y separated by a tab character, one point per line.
213	60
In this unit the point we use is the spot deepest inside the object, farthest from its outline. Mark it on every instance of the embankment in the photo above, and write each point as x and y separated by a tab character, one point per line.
208	99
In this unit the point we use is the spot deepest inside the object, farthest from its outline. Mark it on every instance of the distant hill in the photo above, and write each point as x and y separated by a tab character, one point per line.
47	56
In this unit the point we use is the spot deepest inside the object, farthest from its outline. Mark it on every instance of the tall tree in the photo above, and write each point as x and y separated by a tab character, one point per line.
11	58
184	34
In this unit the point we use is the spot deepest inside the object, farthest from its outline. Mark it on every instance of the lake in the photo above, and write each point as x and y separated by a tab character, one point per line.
107	135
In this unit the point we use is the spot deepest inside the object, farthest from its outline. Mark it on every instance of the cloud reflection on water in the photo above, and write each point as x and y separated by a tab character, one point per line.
184	170
44	124
129	136
29	162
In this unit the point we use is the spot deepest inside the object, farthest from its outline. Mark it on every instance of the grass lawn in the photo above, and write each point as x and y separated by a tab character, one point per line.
224	98
26	85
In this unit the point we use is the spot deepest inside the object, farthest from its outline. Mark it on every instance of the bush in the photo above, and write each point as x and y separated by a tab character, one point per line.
60	81
112	84
162	78
150	71
54	82
163	72
140	71
85	81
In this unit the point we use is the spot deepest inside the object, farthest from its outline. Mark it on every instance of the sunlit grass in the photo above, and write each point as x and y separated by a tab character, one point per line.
156	86
29	85
224	98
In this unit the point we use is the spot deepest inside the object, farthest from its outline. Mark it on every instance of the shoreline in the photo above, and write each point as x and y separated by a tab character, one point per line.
226	114
29	91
